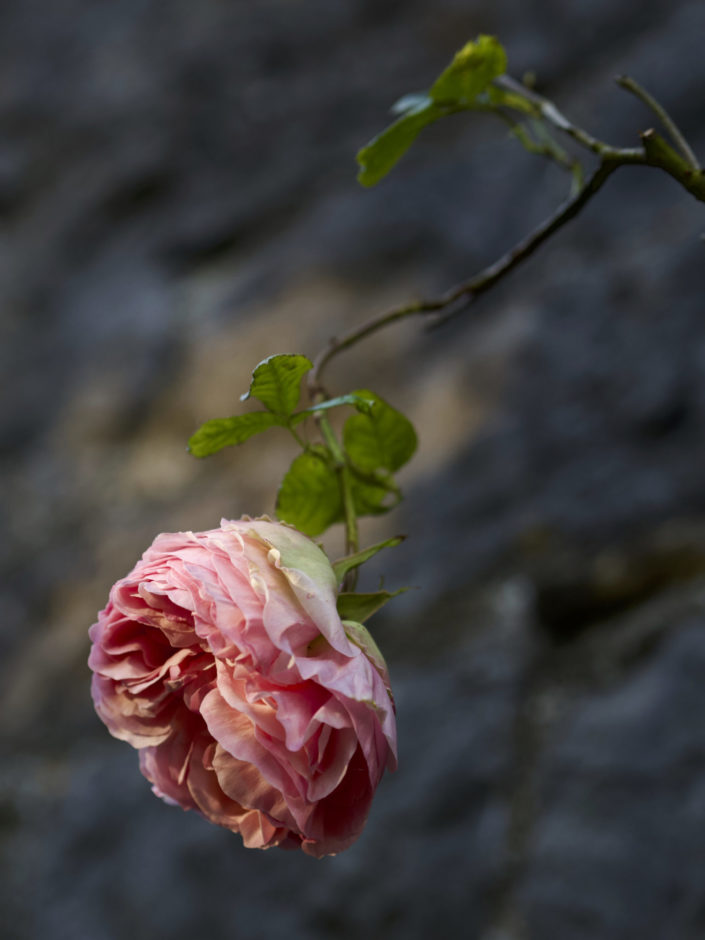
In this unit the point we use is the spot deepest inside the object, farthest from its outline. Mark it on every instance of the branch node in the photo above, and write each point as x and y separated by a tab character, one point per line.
633	87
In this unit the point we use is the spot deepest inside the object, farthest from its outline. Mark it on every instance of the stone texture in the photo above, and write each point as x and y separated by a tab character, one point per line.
176	195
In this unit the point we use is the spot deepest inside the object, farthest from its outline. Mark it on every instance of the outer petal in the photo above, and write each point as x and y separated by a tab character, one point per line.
355	680
340	818
362	638
308	572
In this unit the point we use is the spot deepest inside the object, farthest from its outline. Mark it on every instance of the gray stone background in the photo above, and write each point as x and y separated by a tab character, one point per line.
177	201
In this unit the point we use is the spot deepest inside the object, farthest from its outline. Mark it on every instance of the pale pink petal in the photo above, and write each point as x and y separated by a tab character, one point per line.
309	574
300	711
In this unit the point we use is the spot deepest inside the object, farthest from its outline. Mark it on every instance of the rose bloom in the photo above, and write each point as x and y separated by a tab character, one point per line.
223	659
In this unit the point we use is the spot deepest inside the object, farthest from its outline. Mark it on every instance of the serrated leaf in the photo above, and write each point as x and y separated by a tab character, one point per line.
383	438
343	565
276	382
378	157
470	72
309	495
218	433
362	404
359	607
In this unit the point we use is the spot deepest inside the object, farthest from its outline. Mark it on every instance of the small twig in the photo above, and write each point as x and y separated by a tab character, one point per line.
548	148
547	110
362	332
631	85
468	290
488	277
655	152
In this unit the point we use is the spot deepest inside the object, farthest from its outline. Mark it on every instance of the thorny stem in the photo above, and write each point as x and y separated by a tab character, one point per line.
655	151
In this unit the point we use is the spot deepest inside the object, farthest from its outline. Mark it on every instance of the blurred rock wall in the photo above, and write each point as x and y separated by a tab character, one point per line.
177	201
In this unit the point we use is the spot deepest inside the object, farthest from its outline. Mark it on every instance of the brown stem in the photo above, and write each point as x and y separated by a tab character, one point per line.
467	290
488	277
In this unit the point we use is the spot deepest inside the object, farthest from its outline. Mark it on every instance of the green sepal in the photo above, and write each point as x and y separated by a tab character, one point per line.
343	565
359	607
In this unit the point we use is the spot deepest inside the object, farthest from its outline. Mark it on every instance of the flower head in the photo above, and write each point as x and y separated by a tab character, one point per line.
223	659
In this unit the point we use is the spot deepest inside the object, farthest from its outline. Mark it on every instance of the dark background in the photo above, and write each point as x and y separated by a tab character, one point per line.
177	201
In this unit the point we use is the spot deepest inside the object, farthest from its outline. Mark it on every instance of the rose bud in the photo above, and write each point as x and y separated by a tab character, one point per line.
223	659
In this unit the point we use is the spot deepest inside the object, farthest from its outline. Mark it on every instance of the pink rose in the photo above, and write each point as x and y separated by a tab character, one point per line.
222	657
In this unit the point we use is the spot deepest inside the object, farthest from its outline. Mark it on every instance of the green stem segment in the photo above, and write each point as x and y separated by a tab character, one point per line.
297	437
352	538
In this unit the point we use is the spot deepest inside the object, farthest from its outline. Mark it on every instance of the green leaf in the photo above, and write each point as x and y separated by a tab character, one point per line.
309	496
378	157
343	565
276	383
470	72
218	433
373	493
383	438
359	607
466	83
362	404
